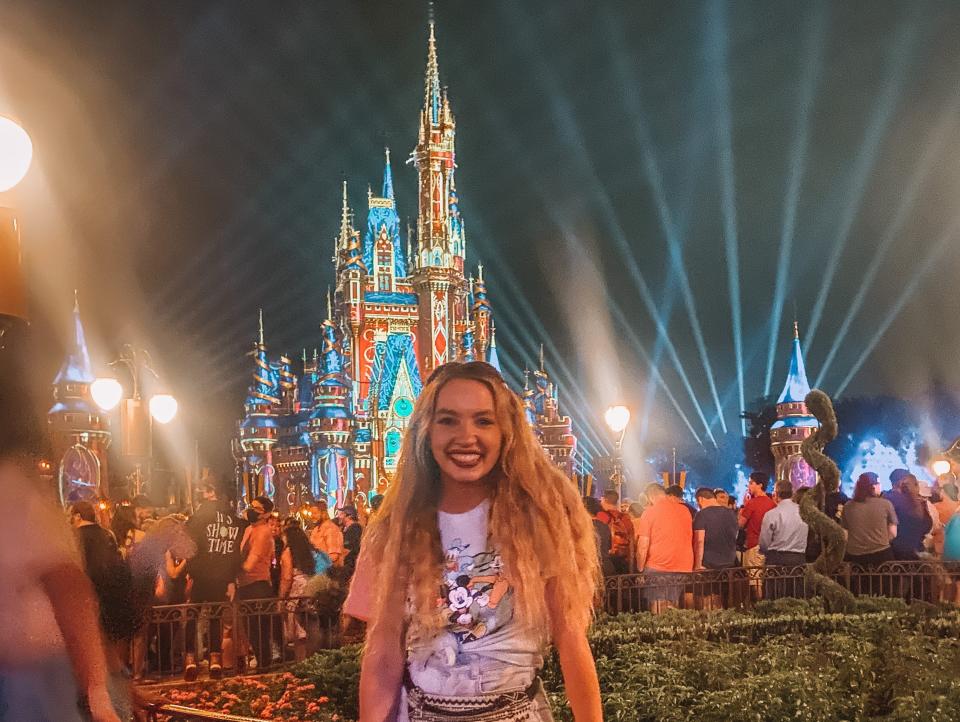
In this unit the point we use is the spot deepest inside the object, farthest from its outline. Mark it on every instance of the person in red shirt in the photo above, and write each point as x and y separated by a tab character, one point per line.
664	547
757	504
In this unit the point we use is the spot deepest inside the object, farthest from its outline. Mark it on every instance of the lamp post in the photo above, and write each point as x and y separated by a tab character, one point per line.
136	424
16	152
617	418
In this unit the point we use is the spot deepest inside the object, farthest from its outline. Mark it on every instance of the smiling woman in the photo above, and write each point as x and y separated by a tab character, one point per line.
487	547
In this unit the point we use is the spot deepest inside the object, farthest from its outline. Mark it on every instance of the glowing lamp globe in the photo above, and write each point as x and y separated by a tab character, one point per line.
941	467
163	407
16	151
617	418
106	393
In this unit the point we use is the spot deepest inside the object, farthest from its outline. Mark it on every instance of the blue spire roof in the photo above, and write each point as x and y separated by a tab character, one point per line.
383	217
492	357
76	366
387	178
797	386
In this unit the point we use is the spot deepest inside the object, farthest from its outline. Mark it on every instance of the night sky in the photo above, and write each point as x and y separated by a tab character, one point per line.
623	168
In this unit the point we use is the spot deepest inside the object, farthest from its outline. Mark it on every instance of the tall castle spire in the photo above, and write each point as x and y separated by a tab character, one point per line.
345	225
432	97
439	277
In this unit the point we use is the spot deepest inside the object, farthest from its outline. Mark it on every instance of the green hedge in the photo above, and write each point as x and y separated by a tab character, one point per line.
785	660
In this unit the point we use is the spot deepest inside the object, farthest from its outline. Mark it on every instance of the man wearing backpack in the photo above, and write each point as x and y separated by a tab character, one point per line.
621	531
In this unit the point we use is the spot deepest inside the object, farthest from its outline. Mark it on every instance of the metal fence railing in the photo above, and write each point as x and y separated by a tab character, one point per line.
250	636
740	587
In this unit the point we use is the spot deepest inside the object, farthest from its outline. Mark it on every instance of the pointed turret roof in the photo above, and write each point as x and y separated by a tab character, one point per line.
387	178
76	366
797	387
493	357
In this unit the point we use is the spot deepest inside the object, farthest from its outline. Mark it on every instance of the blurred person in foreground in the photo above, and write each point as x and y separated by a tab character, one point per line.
52	658
478	510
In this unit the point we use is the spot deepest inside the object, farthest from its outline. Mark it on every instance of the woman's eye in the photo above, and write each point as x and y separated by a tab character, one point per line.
445	420
484	422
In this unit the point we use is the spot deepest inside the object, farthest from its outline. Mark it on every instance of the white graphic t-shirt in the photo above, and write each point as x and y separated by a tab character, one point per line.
476	598
482	650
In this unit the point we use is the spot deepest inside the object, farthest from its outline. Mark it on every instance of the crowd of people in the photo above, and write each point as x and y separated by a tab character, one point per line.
661	535
137	559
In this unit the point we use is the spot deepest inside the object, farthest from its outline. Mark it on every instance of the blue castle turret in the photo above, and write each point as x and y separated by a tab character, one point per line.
383	253
331	422
259	427
794	422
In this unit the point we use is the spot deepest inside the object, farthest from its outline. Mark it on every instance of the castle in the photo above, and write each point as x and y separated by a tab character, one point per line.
398	312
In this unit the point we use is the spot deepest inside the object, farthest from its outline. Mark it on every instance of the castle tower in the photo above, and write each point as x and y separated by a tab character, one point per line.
554	429
80	435
383	253
441	249
259	427
331	422
482	316
794	423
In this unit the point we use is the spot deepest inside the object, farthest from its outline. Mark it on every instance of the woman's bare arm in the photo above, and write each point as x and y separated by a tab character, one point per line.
576	663
381	671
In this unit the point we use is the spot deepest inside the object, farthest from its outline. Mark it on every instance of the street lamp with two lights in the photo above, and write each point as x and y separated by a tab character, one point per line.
136	424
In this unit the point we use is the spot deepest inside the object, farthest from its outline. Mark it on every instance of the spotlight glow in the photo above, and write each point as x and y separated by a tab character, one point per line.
16	152
617	418
798	157
106	393
945	242
941	467
717	51
933	150
866	158
163	407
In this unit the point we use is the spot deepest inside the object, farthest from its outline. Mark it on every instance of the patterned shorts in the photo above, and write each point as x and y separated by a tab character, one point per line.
529	705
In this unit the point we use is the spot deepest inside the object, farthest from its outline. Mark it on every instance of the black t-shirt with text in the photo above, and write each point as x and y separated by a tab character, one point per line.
217	531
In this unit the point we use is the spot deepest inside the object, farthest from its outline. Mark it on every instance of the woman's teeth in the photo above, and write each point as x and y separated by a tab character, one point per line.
465	459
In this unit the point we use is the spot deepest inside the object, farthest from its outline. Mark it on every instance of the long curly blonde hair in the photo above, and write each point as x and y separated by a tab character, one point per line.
537	521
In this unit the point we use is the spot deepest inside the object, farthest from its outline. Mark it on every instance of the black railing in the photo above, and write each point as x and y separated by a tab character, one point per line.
250	636
740	587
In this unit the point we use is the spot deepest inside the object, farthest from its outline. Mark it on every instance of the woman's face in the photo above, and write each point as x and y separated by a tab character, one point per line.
465	436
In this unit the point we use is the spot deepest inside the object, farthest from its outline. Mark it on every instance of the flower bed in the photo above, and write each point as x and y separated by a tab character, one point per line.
787	659
281	697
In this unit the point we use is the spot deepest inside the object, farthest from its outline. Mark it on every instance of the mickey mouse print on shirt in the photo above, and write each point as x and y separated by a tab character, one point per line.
474	591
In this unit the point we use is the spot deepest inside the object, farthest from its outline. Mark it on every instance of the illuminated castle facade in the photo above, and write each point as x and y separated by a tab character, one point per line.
794	423
399	310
